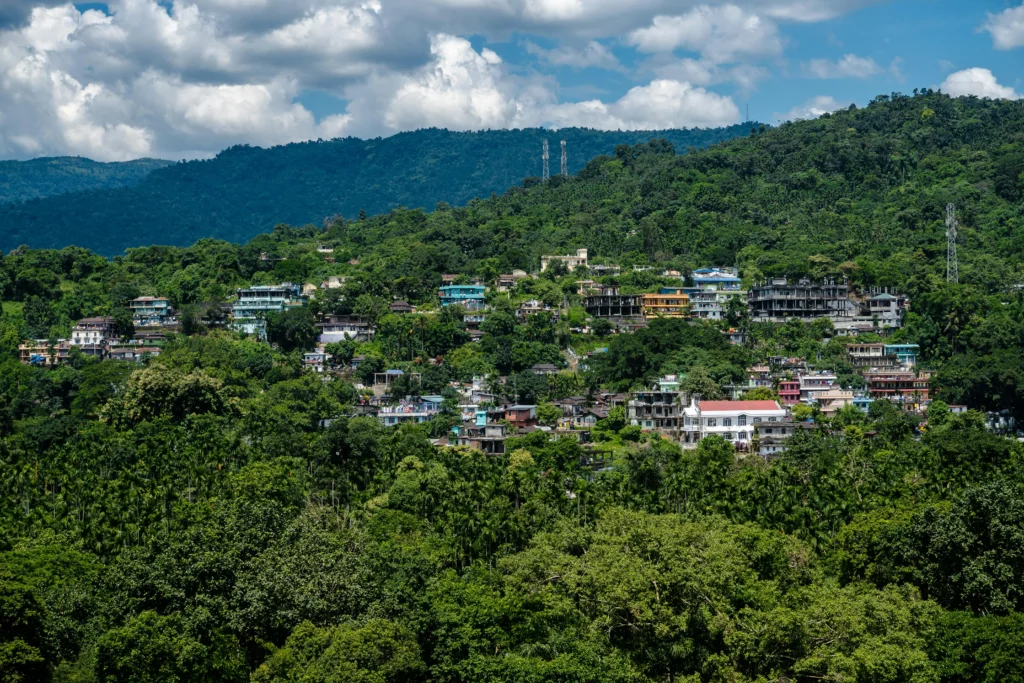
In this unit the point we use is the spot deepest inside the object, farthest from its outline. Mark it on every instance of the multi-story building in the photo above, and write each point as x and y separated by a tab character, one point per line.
607	302
488	437
41	352
134	353
771	437
832	401
93	331
521	415
572	261
726	279
870	356
709	302
814	383
732	420
657	410
905	386
789	391
778	300
507	281
382	381
666	304
338	328
151	311
468	296
248	313
906	354
404	412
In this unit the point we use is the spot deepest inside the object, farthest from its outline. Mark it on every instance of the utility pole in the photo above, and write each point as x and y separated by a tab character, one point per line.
952	269
545	175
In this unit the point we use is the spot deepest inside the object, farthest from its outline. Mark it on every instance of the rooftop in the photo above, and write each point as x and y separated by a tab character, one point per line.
730	406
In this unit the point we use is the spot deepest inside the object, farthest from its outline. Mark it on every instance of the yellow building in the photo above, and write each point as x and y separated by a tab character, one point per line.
673	305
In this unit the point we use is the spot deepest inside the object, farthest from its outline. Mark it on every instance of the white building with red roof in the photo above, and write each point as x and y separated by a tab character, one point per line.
732	420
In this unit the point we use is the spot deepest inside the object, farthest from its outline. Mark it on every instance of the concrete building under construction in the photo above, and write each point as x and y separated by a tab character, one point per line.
607	302
778	300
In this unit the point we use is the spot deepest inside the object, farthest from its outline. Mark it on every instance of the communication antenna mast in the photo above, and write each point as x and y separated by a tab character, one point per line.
565	164
952	271
545	175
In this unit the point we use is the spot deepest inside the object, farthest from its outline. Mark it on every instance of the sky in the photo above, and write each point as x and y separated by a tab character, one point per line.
179	79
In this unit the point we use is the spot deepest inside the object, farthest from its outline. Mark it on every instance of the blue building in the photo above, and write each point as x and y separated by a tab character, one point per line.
720	278
906	354
470	296
248	313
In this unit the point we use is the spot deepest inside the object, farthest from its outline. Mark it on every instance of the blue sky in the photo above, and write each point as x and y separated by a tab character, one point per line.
186	78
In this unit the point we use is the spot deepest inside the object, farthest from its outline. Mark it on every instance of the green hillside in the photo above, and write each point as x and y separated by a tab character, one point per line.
248	190
220	512
46	177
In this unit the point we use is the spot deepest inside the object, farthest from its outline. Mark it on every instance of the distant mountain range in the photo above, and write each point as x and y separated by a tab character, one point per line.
248	190
38	178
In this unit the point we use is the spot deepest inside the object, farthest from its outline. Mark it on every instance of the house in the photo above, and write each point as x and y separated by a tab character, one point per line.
151	311
469	296
898	385
40	352
248	313
870	356
814	383
710	302
726	279
778	300
488	437
521	415
789	391
832	401
658	411
732	420
544	369
589	417
338	328
607	302
407	411
771	437
315	361
309	290
601	270
666	305
906	354
401	307
134	354
506	282
382	381
584	287
92	331
334	282
324	249
572	261
449	278
735	337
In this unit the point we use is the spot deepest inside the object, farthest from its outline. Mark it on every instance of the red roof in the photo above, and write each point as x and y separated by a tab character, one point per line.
726	406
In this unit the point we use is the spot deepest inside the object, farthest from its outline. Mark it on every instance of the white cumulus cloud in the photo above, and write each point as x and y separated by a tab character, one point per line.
979	82
720	34
812	108
850	66
1007	28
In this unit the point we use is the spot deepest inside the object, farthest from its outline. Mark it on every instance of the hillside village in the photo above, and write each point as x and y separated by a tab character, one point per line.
757	414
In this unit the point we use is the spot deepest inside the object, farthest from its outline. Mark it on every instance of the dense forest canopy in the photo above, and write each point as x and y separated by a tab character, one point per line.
218	513
45	177
247	190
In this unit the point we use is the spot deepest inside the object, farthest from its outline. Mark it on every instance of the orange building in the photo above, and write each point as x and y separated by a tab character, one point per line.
672	305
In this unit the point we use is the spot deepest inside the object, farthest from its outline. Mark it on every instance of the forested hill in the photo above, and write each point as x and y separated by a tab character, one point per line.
860	193
45	177
248	190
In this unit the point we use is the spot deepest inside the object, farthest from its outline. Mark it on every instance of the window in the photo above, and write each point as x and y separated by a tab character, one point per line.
742	422
712	422
727	422
743	436
773	419
757	420
687	422
727	436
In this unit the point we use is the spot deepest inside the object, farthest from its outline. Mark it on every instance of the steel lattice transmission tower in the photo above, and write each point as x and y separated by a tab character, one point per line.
952	270
545	174
565	163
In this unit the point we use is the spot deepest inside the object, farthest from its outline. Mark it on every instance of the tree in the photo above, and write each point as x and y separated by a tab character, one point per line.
379	651
154	649
699	383
22	657
294	329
